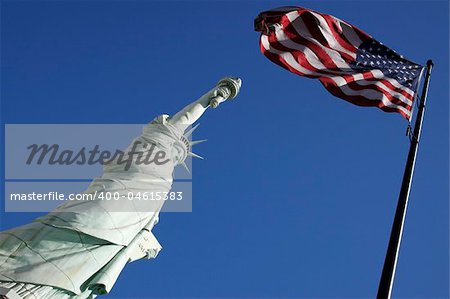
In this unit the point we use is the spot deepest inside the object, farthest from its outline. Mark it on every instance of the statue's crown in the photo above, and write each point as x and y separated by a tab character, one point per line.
187	144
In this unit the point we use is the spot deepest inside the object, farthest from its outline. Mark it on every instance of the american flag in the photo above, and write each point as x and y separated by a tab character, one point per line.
348	62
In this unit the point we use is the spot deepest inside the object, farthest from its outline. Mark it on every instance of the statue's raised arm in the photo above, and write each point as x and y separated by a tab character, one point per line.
227	88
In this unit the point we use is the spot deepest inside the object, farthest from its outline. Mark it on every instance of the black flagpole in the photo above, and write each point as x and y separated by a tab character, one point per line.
390	262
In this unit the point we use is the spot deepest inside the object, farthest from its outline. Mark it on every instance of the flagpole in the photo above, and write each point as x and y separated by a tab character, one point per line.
390	262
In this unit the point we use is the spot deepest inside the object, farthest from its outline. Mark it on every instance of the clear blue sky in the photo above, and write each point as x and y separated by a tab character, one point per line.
298	190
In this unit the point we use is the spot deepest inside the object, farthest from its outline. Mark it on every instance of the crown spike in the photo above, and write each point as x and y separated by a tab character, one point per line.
194	142
185	167
189	133
195	155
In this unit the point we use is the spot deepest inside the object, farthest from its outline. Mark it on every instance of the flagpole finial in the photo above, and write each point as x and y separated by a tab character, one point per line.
430	63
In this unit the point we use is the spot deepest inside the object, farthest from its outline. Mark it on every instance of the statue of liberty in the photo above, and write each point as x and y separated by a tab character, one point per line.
79	249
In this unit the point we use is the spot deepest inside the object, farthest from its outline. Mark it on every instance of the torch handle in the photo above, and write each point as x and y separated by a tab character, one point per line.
215	101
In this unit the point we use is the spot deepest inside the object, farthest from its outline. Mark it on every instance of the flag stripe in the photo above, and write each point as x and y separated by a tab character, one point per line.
298	31
333	42
336	28
361	101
